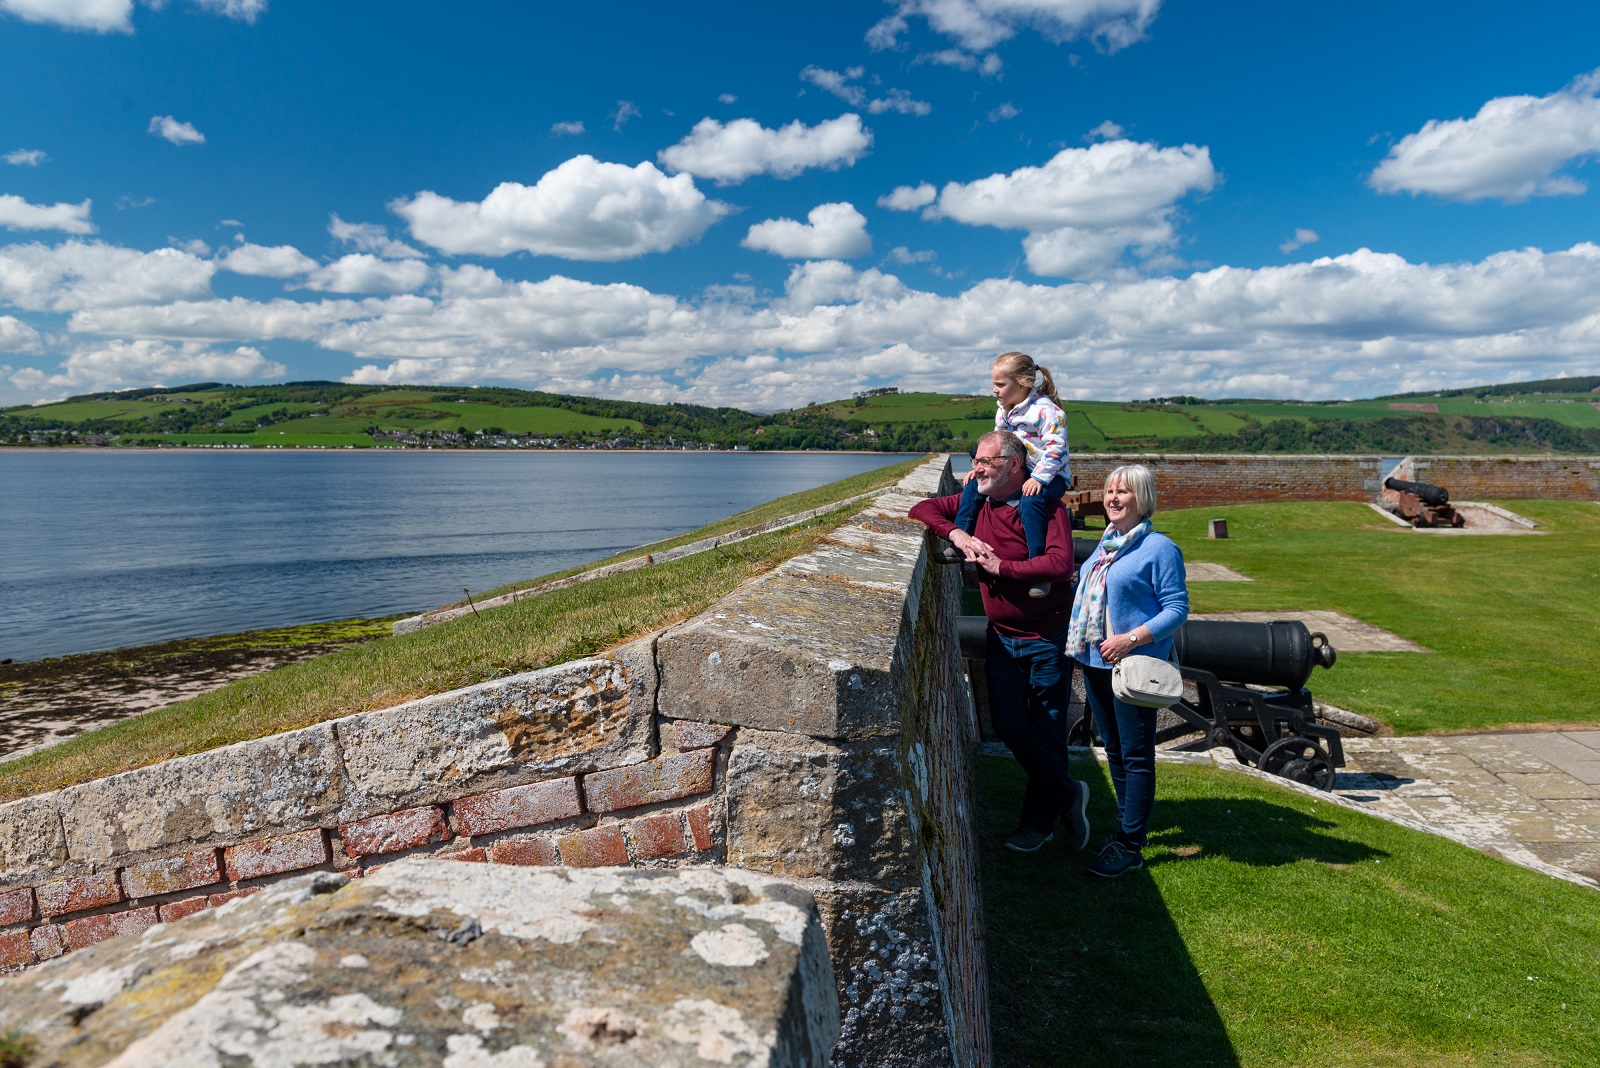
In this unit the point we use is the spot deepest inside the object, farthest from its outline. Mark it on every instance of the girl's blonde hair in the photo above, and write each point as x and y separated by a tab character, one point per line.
1022	370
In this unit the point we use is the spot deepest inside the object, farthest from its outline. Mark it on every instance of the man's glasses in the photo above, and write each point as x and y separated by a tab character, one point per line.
989	463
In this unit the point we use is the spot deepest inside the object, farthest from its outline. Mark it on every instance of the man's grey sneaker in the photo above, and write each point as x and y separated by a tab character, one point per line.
1026	841
1118	859
1039	589
1076	816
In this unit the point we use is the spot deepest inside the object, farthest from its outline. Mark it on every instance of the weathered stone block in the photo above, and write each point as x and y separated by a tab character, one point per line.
873	549
807	809
517	806
788	653
598	847
394	831
660	835
663	779
273	856
31	838
78	893
177	910
687	734
16	906
531	852
570	718
183	872
285	782
888	980
16	951
529	959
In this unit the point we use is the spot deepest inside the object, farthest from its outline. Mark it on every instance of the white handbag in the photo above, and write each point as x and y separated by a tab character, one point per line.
1146	681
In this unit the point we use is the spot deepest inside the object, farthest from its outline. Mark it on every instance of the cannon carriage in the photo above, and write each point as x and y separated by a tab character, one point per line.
1422	504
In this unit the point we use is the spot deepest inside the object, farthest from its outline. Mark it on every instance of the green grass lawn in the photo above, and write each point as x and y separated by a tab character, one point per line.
521	420
1117	423
1512	621
1272	928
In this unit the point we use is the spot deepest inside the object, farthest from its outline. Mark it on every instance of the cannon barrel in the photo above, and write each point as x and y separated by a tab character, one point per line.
1426	492
1281	653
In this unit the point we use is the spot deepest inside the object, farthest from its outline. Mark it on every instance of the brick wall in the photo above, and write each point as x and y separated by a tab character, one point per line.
1192	481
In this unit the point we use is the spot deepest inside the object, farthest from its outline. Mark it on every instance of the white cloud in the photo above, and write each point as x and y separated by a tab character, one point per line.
567	129
988	65
1510	151
118	364
909	198
1005	111
842	84
26	157
18	214
88	274
17	336
626	109
370	237
179	133
280	261
582	210
1106	131
733	152
1086	204
833	231
244	10
1301	238
978	25
727	98
193	246
103	16
362	272
904	256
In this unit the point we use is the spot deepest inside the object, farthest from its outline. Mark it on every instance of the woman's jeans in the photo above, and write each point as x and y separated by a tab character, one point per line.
1129	733
1030	683
1031	510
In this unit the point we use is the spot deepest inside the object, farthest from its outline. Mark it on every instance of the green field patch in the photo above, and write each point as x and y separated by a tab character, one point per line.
1215	420
79	411
256	411
912	408
1575	413
1122	424
522	420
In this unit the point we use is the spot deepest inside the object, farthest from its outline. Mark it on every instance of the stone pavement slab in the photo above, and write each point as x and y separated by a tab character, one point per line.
1198	571
1529	798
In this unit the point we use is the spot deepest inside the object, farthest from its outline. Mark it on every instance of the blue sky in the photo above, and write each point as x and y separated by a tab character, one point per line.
763	205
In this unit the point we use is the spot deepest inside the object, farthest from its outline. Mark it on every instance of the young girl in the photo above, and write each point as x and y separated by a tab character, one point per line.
1027	405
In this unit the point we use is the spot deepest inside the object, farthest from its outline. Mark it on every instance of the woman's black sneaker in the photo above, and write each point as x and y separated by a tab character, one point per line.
1118	859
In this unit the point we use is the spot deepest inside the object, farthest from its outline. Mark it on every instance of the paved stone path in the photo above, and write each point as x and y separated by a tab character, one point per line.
1531	798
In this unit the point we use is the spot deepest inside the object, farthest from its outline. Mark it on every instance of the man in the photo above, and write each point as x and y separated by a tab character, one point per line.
1030	680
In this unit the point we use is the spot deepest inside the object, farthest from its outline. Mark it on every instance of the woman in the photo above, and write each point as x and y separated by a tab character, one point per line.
1132	597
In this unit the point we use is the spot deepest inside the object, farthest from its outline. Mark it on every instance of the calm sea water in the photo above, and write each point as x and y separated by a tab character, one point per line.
105	549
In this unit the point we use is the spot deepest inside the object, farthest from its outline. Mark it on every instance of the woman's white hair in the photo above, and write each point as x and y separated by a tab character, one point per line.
1141	483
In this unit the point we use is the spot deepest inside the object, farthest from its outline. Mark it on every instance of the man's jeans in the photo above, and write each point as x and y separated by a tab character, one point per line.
1030	685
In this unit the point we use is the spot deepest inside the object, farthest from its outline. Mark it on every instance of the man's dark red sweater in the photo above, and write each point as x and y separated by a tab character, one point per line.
1005	596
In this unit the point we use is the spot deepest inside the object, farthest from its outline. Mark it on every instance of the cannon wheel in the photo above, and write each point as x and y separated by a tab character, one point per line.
1300	760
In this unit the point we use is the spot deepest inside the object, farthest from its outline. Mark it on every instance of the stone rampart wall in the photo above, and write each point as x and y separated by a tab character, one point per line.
811	725
1194	481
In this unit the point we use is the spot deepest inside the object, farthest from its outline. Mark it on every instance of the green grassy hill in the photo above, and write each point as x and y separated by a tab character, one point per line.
1556	416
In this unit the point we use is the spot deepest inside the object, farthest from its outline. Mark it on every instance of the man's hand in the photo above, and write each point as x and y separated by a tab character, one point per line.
986	559
970	547
1032	488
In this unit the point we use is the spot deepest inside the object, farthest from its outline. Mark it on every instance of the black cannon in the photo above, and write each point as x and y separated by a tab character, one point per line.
1246	691
1423	504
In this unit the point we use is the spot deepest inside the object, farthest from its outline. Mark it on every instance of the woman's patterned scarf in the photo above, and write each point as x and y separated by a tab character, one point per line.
1089	606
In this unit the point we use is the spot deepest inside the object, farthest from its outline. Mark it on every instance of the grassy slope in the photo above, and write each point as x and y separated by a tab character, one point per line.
1270	928
549	629
1512	621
